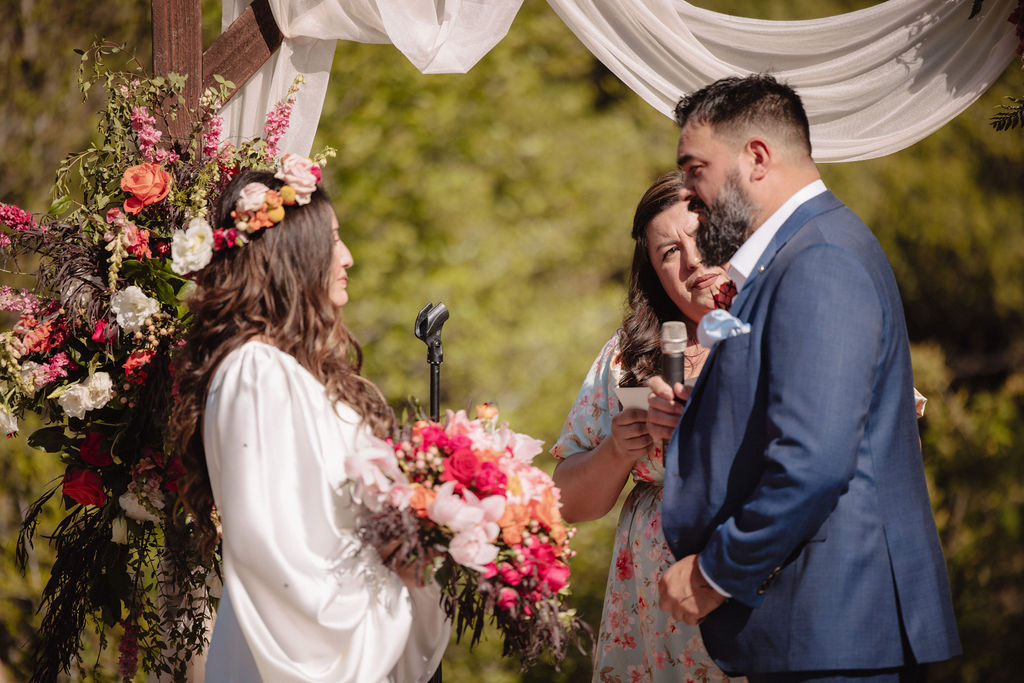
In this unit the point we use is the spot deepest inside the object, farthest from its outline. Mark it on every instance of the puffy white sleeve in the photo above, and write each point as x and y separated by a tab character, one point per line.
311	603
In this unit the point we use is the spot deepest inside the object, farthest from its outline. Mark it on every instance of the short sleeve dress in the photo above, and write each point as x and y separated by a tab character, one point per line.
636	641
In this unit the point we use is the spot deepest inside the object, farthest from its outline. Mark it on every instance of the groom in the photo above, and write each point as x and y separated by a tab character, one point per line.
795	497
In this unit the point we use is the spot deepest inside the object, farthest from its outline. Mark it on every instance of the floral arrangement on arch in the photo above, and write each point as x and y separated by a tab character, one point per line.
91	353
473	511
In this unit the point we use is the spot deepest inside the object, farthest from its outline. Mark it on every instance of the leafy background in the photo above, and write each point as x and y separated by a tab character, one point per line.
507	193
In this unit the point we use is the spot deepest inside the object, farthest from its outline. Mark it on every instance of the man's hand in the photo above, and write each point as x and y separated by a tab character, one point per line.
685	594
663	409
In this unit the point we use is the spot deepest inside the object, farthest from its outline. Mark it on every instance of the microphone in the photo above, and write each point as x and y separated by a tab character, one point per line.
673	344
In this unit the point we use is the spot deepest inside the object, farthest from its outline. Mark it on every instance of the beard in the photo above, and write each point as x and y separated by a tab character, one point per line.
727	222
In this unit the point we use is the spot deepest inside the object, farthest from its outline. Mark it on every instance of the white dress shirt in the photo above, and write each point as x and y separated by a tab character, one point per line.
749	253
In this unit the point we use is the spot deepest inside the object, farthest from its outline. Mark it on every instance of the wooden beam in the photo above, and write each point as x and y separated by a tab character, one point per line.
244	47
178	48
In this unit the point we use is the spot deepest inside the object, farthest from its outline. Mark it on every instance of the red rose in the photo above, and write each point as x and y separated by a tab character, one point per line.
172	473
99	334
490	480
147	183
84	487
93	451
461	466
725	294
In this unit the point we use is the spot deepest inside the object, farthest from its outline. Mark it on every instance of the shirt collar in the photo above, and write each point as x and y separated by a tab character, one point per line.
749	253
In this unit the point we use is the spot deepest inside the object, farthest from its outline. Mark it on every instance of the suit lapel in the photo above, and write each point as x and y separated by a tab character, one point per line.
826	201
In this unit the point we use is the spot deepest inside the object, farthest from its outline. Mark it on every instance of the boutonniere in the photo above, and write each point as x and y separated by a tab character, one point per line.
718	325
725	294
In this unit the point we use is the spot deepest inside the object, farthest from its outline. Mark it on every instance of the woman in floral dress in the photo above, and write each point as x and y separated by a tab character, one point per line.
602	446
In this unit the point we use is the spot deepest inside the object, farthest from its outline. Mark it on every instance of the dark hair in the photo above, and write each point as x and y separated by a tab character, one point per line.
277	288
649	304
732	105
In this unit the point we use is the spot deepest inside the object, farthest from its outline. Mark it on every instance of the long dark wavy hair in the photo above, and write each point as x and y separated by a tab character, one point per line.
649	304
275	288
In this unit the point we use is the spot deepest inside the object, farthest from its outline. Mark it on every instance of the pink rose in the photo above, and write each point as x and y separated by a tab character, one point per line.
490	480
554	575
298	172
251	198
507	598
461	466
84	487
99	334
510	574
93	451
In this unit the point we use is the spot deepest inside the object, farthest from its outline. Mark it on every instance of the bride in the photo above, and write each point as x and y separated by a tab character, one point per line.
270	411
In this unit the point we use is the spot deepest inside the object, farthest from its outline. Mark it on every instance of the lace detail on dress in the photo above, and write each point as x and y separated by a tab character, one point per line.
356	559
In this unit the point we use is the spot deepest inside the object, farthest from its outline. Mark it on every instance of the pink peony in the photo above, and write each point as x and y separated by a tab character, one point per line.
472	548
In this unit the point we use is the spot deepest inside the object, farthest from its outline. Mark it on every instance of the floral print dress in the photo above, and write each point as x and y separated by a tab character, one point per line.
637	642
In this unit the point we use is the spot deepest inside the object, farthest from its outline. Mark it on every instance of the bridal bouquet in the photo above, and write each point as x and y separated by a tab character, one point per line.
468	505
90	354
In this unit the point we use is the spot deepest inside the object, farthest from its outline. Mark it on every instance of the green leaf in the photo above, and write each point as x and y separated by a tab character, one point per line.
59	205
49	439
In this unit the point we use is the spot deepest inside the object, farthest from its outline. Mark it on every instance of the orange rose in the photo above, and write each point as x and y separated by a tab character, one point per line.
147	183
486	411
487	455
513	521
545	510
422	498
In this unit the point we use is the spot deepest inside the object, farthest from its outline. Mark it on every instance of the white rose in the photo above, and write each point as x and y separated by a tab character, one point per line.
75	401
192	248
297	172
134	508
99	390
28	374
132	307
251	197
8	423
119	530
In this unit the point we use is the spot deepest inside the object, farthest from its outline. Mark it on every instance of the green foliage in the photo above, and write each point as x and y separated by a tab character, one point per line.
508	193
1009	116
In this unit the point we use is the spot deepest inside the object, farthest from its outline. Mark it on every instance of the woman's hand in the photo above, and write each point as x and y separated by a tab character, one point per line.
665	405
630	437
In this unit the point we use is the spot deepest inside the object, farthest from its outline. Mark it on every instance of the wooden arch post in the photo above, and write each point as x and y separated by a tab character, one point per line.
237	54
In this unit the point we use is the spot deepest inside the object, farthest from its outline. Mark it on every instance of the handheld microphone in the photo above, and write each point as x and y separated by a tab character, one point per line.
673	344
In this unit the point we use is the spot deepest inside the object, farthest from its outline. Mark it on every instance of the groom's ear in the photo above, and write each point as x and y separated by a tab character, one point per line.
758	156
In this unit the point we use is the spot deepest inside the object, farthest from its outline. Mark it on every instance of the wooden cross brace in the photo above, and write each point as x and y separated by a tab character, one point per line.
237	54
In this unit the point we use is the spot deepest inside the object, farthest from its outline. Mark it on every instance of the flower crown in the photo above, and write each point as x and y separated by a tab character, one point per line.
257	207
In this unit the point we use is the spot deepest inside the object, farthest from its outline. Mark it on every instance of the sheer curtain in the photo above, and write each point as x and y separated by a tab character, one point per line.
873	81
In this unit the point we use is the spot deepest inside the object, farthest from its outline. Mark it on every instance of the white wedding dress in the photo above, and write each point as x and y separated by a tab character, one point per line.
302	600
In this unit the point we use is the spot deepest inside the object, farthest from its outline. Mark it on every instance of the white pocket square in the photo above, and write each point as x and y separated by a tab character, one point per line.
719	324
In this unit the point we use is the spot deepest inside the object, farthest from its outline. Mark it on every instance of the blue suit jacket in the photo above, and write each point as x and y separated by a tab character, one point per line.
795	471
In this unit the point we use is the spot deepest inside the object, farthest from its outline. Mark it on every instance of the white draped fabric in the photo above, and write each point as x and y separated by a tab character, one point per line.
873	81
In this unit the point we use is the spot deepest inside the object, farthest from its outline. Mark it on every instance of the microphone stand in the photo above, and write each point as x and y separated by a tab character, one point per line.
429	322
428	330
